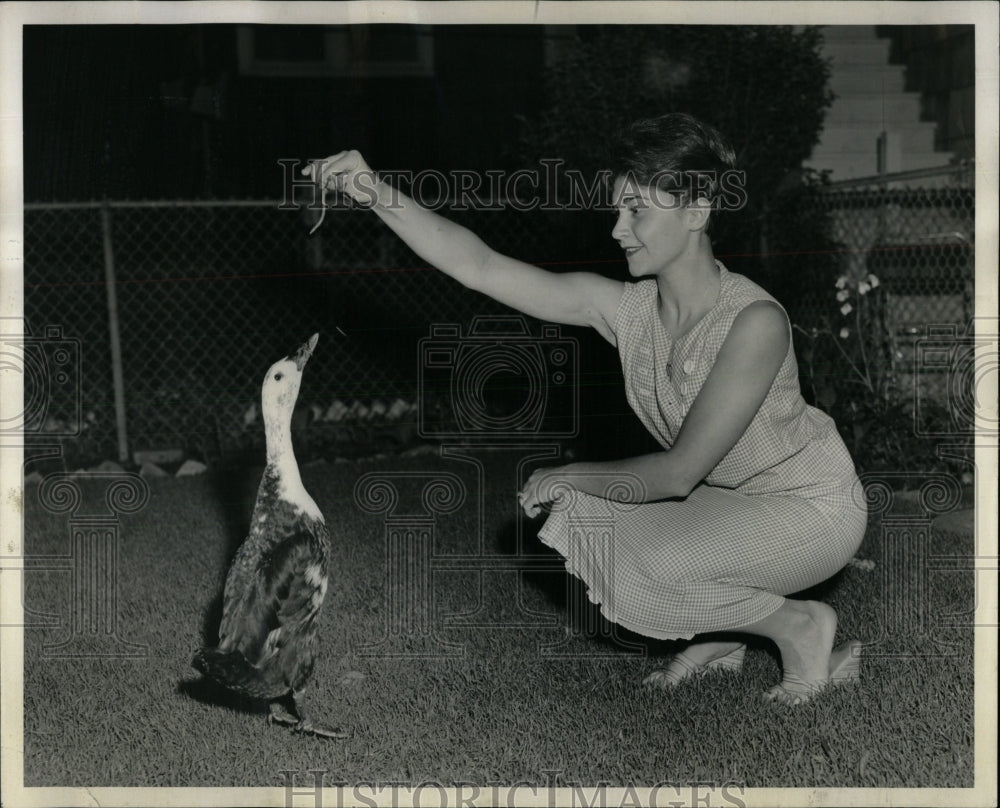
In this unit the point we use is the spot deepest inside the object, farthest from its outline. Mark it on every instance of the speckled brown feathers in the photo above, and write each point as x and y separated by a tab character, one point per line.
274	591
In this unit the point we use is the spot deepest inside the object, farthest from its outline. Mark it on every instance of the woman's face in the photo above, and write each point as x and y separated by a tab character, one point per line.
652	226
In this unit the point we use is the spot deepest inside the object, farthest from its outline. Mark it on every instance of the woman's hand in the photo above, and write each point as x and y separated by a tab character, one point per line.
348	173
543	486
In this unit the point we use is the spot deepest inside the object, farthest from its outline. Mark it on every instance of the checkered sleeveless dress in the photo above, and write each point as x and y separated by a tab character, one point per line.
782	511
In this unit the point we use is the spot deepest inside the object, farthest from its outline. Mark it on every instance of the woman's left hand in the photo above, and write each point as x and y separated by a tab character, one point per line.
543	486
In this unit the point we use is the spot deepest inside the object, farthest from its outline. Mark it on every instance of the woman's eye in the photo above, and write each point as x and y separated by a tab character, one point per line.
277	377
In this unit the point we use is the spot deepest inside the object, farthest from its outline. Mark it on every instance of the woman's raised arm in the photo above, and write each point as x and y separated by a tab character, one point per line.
573	298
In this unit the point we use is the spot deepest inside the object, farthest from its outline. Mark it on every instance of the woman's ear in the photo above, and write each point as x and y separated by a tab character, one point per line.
698	213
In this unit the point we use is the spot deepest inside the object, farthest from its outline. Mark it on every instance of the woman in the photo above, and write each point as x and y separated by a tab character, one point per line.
754	495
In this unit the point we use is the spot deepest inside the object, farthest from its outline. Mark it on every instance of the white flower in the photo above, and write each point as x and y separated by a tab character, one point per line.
844	333
846	309
842	295
863	288
873	280
841	281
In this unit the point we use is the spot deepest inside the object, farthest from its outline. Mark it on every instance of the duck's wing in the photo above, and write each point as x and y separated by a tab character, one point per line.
245	619
284	591
298	576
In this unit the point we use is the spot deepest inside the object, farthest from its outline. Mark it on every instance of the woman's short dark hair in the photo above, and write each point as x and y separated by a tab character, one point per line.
675	152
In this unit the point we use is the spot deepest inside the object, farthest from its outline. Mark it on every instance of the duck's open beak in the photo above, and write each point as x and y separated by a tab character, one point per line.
301	356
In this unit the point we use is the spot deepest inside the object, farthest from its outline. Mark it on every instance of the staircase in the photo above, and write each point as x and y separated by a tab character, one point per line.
871	100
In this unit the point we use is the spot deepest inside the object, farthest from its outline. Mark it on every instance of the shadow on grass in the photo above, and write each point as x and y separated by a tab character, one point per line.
206	691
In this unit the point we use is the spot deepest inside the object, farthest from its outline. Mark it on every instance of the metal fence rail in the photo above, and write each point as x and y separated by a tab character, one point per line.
180	306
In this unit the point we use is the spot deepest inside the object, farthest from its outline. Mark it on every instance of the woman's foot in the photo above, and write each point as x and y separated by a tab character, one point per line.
697	660
803	632
845	668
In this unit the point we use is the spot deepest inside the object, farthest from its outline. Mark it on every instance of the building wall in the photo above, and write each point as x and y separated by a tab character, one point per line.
128	111
940	65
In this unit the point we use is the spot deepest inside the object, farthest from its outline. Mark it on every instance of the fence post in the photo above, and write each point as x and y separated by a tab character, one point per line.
116	345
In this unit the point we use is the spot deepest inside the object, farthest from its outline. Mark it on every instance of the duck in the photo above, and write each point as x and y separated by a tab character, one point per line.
277	581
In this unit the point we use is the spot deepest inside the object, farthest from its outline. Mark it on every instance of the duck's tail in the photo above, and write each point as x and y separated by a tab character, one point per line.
231	669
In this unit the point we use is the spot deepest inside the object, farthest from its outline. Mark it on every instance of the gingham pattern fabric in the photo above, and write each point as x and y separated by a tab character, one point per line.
782	511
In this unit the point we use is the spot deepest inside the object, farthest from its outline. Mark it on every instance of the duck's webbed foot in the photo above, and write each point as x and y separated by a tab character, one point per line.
306	724
279	714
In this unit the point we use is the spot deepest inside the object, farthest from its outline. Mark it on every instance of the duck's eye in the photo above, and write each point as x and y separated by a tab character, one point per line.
277	377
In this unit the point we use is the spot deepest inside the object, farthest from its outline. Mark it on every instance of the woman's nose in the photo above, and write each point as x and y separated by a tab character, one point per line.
620	230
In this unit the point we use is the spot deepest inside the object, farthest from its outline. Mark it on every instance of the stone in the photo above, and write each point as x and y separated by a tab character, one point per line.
190	468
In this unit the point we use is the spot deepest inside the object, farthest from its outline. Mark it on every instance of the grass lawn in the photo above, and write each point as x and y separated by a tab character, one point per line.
501	707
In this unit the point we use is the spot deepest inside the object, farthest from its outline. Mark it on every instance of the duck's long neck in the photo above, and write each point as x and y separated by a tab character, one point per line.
280	455
282	468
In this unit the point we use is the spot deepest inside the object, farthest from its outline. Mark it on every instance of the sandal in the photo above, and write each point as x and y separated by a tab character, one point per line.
681	669
793	691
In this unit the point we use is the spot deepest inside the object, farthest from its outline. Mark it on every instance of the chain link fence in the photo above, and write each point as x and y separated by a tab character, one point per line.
206	295
912	235
915	231
179	307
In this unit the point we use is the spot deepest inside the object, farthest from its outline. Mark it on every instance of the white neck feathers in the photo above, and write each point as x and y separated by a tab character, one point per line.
281	460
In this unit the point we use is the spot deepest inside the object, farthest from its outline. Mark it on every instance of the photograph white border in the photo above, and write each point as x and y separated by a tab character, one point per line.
14	15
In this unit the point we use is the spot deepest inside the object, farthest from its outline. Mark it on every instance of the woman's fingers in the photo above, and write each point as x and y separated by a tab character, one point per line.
332	166
528	497
347	173
315	168
542	487
332	160
531	506
529	503
339	166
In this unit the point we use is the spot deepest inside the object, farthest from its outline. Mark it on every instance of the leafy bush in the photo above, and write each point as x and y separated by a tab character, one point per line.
849	367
